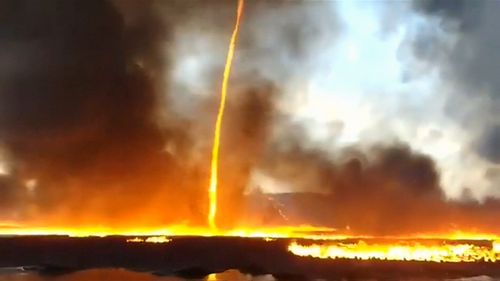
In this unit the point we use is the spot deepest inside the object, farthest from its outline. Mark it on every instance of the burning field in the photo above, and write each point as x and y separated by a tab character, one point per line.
302	139
436	251
283	258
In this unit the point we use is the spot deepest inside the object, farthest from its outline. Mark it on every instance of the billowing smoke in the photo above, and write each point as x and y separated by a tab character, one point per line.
383	190
460	46
88	137
77	116
107	111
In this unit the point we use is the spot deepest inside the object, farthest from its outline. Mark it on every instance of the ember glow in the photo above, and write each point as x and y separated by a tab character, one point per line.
212	191
446	251
309	232
496	247
152	239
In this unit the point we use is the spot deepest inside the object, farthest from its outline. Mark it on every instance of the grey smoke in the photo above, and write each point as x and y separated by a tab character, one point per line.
470	67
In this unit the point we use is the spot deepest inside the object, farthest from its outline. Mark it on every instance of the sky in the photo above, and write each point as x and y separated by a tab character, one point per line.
370	82
362	80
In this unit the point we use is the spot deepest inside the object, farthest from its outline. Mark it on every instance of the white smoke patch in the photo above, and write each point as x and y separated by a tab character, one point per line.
4	170
197	55
31	186
261	182
5	167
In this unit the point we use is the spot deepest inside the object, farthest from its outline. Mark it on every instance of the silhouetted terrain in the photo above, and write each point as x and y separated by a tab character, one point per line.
196	257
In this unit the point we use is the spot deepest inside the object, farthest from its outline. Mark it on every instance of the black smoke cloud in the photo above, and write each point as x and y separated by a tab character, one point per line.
363	189
383	190
77	110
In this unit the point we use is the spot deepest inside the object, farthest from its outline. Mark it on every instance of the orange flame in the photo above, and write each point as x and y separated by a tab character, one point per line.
212	191
448	251
152	239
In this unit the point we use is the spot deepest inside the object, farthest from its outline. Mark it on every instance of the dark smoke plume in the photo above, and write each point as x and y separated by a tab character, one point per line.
77	110
387	190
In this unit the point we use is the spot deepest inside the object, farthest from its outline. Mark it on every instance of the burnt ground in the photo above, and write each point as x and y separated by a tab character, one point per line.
195	257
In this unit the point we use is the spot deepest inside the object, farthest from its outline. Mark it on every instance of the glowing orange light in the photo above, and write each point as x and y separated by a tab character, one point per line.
135	240
212	277
152	239
212	191
496	247
409	251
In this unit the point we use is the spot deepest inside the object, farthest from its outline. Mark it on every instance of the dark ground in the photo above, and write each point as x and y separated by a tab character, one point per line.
195	257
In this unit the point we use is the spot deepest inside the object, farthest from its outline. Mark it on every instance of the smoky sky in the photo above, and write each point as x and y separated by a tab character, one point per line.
107	110
472	64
